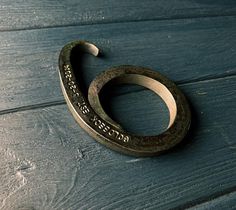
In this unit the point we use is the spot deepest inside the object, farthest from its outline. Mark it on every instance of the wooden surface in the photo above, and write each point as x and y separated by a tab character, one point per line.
28	14
49	162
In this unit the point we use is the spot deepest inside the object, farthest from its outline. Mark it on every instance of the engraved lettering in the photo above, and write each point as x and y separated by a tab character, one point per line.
106	129
67	67
83	107
126	139
72	85
110	133
116	134
97	122
120	136
94	118
67	72
68	77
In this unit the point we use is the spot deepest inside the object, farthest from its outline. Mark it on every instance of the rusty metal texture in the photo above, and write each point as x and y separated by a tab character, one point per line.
90	115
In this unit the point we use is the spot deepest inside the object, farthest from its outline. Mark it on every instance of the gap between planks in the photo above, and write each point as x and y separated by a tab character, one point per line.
117	22
62	102
206	199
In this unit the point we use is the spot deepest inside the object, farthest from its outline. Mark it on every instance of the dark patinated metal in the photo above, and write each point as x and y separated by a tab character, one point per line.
89	113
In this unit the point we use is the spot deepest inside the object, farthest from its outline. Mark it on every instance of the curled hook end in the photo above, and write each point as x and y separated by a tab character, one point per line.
90	48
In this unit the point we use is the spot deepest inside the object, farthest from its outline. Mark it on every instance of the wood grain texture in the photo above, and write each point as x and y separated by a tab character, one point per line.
56	165
49	162
183	50
25	14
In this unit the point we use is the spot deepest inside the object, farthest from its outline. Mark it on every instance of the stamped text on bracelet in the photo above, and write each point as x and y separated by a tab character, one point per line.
80	102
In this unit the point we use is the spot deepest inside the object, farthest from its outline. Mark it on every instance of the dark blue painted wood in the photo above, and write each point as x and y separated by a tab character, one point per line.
183	50
49	162
46	13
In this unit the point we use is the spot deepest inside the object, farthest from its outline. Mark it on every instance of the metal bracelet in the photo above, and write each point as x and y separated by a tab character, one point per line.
89	113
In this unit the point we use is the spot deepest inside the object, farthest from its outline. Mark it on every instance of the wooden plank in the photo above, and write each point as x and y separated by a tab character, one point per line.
183	50
32	14
227	201
49	162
